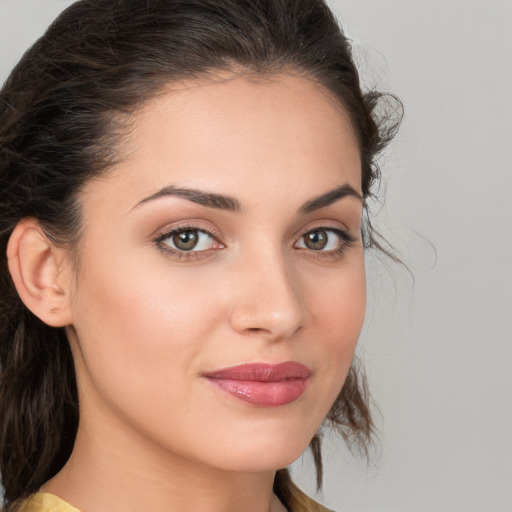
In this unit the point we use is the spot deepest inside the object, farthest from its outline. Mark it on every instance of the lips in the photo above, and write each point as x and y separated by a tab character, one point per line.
264	385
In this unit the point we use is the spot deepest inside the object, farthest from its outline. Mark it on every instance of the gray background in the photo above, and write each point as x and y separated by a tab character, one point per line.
439	352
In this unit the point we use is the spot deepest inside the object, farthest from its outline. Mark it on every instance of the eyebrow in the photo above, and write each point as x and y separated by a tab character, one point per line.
221	202
208	199
329	198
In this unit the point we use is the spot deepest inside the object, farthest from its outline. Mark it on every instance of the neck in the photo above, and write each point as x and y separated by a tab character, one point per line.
113	469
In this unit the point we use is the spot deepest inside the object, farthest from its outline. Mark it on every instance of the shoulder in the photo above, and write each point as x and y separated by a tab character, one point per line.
45	502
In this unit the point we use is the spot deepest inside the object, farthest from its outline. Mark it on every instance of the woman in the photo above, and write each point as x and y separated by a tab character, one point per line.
182	192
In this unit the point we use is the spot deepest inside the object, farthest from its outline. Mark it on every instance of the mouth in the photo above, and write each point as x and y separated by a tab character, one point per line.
260	384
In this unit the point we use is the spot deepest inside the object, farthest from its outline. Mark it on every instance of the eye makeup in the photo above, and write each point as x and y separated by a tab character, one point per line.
193	242
188	242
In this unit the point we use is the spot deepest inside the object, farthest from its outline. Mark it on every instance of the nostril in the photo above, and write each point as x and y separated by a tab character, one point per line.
255	330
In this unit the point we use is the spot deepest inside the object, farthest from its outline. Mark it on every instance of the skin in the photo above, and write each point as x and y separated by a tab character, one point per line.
146	324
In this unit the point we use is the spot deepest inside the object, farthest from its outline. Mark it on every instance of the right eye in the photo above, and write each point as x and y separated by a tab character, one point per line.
187	240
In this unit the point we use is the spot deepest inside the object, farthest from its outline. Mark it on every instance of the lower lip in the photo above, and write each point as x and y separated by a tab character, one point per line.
263	394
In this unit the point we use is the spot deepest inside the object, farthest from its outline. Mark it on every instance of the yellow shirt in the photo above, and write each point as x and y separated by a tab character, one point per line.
46	502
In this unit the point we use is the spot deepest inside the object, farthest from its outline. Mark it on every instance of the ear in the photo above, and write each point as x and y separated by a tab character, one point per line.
41	273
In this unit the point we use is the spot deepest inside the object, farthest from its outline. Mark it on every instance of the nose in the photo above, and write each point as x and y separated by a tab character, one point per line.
267	298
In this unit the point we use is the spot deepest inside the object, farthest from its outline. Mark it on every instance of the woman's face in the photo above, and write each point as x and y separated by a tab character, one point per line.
221	287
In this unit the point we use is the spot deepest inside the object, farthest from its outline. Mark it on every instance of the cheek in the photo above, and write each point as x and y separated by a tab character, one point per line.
140	330
337	309
133	296
338	304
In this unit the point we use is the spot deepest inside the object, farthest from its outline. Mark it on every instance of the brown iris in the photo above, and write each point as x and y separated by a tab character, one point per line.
185	240
316	240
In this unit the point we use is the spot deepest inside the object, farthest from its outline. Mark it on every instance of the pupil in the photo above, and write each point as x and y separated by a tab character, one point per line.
186	240
316	240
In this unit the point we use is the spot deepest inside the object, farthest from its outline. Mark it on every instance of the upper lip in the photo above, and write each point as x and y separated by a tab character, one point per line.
262	372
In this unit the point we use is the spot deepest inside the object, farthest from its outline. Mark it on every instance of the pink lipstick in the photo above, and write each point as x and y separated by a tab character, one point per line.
265	385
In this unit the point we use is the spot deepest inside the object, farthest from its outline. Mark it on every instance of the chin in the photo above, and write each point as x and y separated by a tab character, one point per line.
259	462
268	451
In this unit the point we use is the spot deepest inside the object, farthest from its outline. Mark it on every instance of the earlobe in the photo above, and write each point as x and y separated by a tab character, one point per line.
38	269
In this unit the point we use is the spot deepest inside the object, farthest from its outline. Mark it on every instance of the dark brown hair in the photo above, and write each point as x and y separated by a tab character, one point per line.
61	113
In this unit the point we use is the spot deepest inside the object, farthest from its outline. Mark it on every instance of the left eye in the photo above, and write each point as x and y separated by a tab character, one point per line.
322	240
188	240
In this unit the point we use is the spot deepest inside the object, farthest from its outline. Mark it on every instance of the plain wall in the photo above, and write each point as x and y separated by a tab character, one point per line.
439	353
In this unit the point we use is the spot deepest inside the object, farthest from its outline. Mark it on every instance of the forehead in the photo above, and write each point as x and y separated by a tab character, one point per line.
240	135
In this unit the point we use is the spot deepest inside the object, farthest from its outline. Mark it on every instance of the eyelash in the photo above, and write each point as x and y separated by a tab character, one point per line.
182	254
346	241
